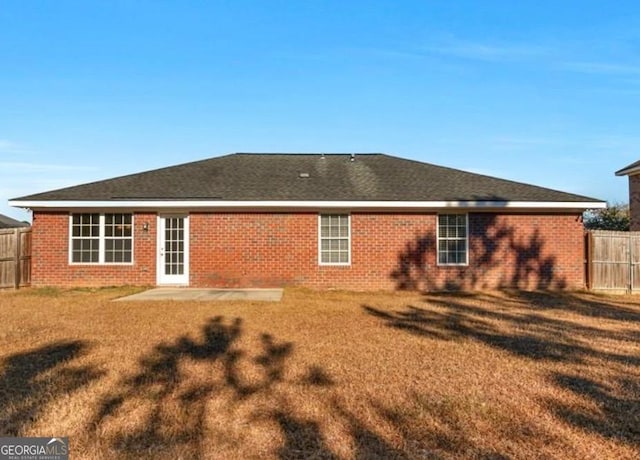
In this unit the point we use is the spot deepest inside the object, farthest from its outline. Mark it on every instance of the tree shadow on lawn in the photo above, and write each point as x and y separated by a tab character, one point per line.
513	323
589	305
617	400
515	327
304	437
444	428
175	422
164	411
31	380
434	427
157	380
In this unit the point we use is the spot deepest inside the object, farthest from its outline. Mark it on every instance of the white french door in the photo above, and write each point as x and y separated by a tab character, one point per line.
173	250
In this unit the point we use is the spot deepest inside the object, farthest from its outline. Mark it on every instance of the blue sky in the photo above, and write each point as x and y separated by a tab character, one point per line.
541	92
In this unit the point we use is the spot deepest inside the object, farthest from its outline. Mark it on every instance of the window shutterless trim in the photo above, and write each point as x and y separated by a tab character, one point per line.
101	239
339	264
466	239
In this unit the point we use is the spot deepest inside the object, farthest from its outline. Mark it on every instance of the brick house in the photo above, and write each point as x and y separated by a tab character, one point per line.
633	172
365	221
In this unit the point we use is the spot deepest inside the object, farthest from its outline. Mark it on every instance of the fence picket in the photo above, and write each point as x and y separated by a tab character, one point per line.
613	261
15	257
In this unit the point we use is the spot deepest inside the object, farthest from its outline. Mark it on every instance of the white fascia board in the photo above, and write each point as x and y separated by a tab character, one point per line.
219	204
629	171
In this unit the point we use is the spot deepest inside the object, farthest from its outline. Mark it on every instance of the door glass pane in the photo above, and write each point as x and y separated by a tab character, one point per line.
174	246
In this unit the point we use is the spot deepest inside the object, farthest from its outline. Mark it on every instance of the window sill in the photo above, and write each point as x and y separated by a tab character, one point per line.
104	264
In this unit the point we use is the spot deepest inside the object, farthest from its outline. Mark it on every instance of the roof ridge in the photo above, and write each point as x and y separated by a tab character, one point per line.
308	153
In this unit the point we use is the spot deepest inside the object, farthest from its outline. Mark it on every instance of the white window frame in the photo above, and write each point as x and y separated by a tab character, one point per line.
466	238
320	238
101	239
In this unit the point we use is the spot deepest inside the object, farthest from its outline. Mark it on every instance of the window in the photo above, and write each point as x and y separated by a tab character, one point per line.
335	239
101	238
452	239
117	238
85	238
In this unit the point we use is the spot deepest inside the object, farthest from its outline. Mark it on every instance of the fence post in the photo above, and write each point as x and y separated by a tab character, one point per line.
630	240
16	260
589	263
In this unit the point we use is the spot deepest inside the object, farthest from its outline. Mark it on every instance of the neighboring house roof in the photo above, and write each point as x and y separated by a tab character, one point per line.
631	169
8	222
278	178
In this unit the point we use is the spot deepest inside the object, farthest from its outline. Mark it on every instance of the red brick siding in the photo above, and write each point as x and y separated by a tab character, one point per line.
50	255
389	251
634	202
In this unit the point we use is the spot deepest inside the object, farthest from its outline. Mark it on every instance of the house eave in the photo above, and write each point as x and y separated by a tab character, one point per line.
628	171
493	205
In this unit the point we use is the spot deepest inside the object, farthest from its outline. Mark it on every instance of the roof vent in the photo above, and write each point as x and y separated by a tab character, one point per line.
322	156
353	157
303	175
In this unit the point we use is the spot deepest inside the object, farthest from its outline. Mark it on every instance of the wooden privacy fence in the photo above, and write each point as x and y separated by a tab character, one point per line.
613	261
15	257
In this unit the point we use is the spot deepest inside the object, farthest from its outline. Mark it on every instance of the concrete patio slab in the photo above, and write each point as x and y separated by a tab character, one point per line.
166	293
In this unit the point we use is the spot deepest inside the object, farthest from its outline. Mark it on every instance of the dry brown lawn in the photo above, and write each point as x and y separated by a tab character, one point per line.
324	375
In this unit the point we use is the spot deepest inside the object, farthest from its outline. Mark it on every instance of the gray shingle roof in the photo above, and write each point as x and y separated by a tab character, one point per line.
8	222
332	177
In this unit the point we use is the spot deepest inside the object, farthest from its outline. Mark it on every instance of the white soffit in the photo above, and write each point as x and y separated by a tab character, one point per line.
220	204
